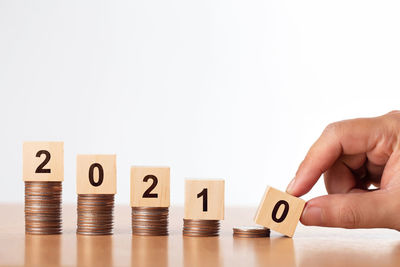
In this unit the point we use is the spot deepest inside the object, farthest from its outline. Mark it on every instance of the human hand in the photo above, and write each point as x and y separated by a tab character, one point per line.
353	155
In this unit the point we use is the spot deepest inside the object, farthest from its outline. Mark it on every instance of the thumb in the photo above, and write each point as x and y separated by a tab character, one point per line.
351	210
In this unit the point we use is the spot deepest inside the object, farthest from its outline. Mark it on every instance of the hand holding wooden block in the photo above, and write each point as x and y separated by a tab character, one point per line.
43	161
150	186
279	211
204	199
96	174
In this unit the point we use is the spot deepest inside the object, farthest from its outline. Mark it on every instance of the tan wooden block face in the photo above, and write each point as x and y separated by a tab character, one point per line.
43	161
150	186
204	199
96	174
279	211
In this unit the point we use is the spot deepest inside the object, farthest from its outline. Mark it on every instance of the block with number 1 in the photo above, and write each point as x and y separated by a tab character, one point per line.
204	199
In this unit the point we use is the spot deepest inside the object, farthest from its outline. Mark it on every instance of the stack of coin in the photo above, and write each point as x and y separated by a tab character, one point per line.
95	214
150	220
251	231
43	208
200	228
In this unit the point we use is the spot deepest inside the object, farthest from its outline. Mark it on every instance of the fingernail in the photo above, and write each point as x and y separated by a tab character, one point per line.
290	187
312	216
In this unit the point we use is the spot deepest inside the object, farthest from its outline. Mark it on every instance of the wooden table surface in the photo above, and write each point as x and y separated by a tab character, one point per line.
311	246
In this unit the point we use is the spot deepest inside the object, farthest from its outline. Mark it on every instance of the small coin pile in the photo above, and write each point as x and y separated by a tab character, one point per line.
95	214
43	208
150	221
251	231
200	228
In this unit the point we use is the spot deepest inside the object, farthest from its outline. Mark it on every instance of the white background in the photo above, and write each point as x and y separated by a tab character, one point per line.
215	89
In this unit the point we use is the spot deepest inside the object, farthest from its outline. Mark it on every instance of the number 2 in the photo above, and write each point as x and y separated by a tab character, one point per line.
147	193
205	198
46	160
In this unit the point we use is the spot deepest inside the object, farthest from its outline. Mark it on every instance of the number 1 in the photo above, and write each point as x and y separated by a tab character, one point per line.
205	198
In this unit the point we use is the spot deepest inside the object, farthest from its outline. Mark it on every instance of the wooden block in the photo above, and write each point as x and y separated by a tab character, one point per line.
96	174
204	199
279	211
43	161
150	186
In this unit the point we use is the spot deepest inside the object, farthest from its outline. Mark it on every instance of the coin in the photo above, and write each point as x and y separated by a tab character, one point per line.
95	214
43	207
200	228
251	231
150	221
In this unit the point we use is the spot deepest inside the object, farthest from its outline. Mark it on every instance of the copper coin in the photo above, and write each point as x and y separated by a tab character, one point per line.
251	231
200	228
95	214
43	207
150	221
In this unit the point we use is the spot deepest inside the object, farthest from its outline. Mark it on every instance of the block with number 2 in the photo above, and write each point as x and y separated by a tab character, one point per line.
43	161
150	186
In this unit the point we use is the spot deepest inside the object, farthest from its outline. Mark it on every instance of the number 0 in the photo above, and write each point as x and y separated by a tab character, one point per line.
91	173
284	213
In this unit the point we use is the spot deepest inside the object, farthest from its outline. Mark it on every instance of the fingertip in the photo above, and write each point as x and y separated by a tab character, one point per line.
355	210
297	187
312	215
290	186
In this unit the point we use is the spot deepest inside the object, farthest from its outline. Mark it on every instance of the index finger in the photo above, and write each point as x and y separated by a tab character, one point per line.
345	137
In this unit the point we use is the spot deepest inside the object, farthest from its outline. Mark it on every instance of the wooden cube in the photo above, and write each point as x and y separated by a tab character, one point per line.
96	174
204	199
43	161
150	186
279	211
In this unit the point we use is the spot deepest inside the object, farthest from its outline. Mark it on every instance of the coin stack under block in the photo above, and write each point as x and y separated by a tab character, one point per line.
96	181
43	173
150	221
150	188
95	214
200	228
43	208
251	231
204	207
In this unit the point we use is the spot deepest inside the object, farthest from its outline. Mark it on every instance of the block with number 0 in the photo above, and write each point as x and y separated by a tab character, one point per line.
279	211
150	186
204	199
43	161
96	174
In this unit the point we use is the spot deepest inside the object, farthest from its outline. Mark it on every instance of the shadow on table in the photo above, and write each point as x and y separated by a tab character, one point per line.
202	251
149	251
42	250
373	252
94	250
276	251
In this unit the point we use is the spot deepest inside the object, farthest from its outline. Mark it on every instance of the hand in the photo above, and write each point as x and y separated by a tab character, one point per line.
353	155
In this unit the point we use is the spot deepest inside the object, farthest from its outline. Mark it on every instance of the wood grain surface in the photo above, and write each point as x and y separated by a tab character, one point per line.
310	246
